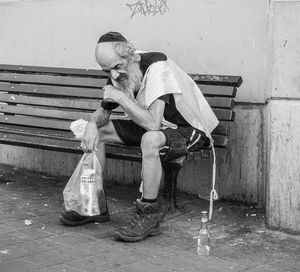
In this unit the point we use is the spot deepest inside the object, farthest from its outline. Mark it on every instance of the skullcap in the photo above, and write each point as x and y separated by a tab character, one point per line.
112	37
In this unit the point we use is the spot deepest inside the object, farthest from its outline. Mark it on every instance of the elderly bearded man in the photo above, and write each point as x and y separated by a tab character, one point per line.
163	104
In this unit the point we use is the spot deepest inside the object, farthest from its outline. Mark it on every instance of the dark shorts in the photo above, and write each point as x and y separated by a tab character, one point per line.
131	134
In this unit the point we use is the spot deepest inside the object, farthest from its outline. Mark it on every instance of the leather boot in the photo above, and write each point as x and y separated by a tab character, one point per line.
144	223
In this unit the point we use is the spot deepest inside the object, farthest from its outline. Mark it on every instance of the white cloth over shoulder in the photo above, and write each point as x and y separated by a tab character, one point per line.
165	77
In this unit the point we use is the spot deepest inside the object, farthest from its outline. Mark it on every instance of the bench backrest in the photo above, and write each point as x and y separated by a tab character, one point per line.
50	98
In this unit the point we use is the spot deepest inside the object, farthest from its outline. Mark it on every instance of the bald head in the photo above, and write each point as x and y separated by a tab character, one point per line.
106	54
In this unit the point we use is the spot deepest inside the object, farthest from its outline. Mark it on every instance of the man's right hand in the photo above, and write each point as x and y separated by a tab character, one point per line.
90	138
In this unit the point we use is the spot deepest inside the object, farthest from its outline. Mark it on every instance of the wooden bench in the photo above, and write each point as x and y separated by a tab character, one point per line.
37	105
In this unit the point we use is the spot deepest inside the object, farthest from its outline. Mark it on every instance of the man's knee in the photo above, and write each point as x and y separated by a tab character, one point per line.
151	143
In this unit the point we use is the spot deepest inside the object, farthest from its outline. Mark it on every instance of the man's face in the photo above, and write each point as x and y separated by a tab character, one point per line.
111	62
125	74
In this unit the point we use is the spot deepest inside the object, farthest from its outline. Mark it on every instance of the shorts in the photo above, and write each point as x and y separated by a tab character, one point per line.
131	134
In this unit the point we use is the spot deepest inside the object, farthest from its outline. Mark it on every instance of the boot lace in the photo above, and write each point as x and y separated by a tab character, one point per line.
136	220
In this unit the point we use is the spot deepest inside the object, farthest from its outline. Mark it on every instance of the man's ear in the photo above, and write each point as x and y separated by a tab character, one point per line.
137	58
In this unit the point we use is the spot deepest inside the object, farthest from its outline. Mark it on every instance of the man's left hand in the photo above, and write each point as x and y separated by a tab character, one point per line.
110	93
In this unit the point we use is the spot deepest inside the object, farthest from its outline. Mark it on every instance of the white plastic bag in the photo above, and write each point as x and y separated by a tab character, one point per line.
78	128
84	192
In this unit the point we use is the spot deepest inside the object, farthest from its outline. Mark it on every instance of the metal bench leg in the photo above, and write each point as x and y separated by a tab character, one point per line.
170	187
175	172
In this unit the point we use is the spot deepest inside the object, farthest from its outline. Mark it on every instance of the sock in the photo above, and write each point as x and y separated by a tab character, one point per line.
148	200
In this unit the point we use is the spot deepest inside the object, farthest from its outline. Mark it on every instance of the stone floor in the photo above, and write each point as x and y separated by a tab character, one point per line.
32	238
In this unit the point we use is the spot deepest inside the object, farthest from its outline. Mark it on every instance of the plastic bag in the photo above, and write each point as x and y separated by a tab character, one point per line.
84	192
78	128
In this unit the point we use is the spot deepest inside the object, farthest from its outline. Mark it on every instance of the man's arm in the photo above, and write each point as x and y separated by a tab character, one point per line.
149	119
90	138
100	117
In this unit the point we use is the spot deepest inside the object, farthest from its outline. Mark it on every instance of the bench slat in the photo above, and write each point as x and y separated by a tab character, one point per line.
43	132
35	122
112	151
53	80
130	153
219	102
40	142
69	145
235	81
51	90
85	105
60	140
224	114
51	70
220	141
222	128
215	94
220	91
52	113
28	126
88	104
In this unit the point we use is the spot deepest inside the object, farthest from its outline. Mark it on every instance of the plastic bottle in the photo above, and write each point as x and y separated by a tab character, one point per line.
87	190
203	239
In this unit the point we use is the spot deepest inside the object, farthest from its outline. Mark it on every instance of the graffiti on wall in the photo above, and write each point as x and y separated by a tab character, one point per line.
148	7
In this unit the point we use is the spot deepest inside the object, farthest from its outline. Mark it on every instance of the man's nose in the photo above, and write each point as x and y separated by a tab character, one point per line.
114	74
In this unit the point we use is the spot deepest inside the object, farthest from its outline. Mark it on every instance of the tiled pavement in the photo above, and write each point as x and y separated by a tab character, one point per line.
240	242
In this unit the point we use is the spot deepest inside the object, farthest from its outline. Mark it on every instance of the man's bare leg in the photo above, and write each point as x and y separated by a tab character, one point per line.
107	134
152	141
147	223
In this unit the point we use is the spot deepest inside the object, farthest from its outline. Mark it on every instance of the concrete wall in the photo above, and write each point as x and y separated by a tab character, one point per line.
282	118
203	36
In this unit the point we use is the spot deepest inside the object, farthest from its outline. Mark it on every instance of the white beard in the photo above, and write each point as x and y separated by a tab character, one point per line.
131	85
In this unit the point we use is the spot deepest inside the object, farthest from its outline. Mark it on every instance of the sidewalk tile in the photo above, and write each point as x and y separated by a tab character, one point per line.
18	266
6	240
13	252
59	268
30	234
48	258
71	239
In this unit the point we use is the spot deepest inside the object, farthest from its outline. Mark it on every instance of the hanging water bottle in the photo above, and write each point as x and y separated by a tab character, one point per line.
203	239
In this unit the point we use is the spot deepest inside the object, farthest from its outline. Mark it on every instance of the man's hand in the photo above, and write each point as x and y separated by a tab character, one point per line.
90	138
110	93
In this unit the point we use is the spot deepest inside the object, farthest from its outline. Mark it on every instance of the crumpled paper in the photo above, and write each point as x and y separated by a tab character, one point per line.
28	222
78	128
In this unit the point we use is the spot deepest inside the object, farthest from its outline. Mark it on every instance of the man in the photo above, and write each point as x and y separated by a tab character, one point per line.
164	105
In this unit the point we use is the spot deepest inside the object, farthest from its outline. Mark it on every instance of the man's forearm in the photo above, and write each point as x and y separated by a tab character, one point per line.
100	117
149	119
